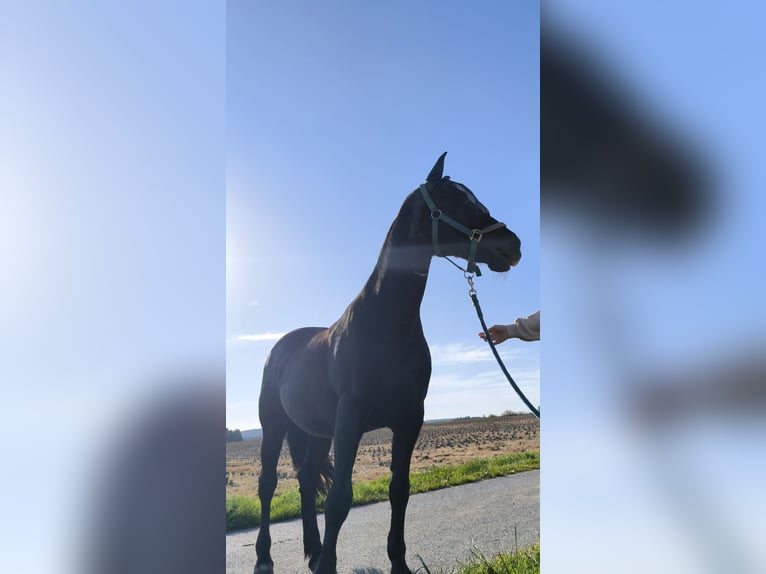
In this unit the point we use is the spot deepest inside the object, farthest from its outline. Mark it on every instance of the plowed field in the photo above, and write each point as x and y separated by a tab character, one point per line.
440	444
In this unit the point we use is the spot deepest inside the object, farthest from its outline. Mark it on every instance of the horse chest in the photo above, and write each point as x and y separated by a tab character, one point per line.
376	349
383	368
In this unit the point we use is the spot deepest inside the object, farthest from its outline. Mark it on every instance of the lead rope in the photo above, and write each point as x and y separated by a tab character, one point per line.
475	299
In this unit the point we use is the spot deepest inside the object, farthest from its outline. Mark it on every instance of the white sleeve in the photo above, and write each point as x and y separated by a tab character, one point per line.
525	328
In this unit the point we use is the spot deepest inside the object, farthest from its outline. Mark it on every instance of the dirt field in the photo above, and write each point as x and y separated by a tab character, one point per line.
440	444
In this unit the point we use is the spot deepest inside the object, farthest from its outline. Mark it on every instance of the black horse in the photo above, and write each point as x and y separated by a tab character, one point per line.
368	370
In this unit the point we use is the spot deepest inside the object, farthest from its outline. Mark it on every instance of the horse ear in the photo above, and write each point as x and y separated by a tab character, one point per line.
437	169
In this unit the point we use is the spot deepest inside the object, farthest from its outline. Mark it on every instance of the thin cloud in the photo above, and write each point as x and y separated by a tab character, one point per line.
242	405
455	394
451	381
259	337
460	353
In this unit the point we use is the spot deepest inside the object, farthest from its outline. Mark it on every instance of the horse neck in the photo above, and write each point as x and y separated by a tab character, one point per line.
395	289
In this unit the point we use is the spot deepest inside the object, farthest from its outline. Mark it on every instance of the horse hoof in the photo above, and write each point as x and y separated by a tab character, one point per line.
265	568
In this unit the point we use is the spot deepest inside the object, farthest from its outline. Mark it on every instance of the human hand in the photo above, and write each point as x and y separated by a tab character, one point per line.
497	333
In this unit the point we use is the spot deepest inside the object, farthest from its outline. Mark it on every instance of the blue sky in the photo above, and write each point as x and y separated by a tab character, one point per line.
333	117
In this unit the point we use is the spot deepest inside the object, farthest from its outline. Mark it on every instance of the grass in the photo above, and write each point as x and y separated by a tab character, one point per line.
524	561
245	512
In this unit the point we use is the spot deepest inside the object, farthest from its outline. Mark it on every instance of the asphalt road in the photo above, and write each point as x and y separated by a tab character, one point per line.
443	527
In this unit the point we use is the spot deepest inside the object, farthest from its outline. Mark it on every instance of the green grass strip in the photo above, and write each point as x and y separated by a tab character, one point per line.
524	561
245	512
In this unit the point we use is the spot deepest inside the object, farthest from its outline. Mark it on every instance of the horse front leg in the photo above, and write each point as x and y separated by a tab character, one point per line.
405	437
348	432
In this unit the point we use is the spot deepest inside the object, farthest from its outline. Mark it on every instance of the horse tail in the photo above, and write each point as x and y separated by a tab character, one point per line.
298	440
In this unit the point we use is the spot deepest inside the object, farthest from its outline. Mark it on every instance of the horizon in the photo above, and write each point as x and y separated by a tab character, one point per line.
425	421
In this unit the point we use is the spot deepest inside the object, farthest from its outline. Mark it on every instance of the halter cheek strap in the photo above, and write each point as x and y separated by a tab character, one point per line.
474	235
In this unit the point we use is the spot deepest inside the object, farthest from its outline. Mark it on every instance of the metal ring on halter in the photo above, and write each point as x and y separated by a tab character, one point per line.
469	277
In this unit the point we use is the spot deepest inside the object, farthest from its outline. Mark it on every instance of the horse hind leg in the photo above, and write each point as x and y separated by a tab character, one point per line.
310	457
274	430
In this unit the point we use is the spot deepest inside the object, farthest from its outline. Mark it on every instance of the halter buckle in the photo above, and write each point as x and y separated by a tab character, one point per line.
436	214
476	235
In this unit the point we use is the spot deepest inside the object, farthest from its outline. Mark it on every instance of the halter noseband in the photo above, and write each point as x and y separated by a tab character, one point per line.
474	235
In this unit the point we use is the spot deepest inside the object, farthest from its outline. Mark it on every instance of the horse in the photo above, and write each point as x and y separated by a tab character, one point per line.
368	370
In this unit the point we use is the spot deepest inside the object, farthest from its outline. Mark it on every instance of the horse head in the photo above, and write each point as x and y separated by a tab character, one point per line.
457	224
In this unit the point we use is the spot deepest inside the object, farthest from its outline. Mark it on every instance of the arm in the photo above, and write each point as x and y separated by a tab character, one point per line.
524	328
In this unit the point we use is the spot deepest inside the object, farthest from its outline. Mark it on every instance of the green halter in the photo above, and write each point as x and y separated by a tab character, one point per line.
474	235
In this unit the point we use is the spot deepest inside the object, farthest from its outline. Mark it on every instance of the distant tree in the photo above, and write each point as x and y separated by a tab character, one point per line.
233	435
